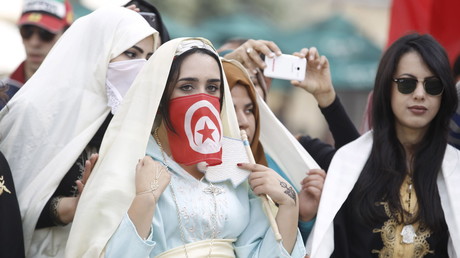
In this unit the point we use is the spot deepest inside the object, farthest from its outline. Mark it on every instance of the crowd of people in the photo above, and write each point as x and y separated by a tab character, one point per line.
118	141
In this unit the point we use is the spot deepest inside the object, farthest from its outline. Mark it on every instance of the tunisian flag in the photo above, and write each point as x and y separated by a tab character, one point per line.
198	129
440	18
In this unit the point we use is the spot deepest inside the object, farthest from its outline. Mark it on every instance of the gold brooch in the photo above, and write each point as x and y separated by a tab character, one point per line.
3	187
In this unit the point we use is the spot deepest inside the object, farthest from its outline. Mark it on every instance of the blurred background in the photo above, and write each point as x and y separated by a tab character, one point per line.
351	33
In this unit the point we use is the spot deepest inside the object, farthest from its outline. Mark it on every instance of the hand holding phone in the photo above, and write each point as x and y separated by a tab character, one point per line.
286	67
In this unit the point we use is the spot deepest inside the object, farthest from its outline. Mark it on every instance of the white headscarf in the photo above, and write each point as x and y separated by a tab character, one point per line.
111	186
51	119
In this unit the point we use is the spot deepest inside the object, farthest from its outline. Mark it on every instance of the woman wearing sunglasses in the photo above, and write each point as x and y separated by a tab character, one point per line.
394	191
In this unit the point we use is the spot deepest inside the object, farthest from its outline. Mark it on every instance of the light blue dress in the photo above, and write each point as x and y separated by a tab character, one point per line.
239	216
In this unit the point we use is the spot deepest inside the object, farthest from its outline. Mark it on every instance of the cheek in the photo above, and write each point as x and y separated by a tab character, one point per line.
252	124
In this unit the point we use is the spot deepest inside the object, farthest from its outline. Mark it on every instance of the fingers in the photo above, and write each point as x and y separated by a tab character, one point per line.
314	182
312	54
302	53
89	165
133	7
80	187
252	167
250	51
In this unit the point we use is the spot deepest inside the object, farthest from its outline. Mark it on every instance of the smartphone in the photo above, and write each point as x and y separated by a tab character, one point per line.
286	67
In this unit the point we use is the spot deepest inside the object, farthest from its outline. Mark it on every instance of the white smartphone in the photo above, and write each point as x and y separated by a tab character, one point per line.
286	67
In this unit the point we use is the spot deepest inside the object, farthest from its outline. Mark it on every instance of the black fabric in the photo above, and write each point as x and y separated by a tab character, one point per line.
355	239
147	7
342	129
11	235
67	187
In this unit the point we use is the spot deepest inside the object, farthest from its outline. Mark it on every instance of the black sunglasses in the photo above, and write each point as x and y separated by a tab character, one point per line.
28	30
432	86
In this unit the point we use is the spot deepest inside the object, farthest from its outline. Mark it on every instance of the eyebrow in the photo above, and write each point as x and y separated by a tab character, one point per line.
138	49
415	77
195	79
249	105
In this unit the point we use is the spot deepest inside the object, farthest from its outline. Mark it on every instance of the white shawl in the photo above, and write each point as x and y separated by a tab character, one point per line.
48	123
343	173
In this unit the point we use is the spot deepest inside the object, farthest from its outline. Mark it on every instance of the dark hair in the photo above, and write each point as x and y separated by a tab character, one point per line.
456	67
174	76
385	169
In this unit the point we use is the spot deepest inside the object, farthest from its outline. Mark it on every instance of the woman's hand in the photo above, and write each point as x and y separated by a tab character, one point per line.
133	7
310	194
317	80
152	177
68	205
248	54
264	180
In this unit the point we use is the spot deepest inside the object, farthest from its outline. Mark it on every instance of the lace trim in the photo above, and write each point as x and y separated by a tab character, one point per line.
392	240
113	98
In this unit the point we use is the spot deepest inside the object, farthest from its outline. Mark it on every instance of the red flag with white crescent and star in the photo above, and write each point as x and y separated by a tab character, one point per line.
198	129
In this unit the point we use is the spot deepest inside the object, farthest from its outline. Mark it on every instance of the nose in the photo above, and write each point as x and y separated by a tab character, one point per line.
419	92
242	120
34	40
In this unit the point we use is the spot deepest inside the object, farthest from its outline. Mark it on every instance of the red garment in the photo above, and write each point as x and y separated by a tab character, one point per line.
436	17
19	74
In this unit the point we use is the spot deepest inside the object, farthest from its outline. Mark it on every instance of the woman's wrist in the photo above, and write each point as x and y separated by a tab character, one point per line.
325	99
148	197
64	209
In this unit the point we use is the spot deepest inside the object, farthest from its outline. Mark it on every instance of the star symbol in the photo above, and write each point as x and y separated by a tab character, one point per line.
206	132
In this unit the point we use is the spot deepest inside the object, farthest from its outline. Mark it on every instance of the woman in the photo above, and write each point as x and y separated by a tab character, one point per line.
393	192
244	98
51	127
179	206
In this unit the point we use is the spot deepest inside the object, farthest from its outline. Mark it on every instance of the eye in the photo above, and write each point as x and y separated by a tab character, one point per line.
249	110
130	54
186	87
213	88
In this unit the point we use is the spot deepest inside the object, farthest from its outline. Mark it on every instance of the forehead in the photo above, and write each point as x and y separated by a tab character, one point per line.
412	63
240	94
200	64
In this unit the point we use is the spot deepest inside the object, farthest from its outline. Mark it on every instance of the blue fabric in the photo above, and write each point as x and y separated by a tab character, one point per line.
239	216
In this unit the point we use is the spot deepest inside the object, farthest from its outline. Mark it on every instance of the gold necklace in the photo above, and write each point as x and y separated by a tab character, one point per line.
211	189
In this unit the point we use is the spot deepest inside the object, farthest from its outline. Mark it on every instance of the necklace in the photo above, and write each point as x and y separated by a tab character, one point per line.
408	231
211	189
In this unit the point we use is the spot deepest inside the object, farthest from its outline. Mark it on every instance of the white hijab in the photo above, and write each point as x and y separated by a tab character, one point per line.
51	119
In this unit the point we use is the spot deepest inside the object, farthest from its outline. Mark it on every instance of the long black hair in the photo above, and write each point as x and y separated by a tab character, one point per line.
174	76
385	169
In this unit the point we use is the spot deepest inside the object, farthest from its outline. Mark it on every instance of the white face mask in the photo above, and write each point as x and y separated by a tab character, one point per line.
120	76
